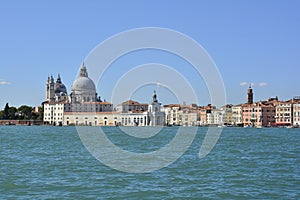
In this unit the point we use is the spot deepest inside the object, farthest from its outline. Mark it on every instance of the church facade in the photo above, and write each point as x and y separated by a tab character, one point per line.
84	107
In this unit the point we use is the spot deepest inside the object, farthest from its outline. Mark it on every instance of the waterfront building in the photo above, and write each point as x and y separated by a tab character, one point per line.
151	117
296	114
56	100
133	113
287	112
237	115
54	112
173	114
131	106
204	111
156	116
134	119
284	113
210	118
182	115
217	117
190	115
91	118
225	115
258	114
190	118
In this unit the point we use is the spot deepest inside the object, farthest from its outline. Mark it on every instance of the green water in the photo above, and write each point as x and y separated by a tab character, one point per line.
52	163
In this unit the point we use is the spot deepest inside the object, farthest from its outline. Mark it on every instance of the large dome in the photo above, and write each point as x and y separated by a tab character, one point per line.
83	84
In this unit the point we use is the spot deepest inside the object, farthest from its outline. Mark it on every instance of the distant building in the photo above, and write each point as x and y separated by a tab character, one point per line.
173	114
56	98
205	112
237	115
256	114
226	115
131	106
156	116
296	115
190	115
284	113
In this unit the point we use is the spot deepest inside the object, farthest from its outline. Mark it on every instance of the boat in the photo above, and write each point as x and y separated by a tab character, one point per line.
10	124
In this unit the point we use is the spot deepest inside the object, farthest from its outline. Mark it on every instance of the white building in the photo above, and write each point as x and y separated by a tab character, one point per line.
173	114
284	113
218	117
226	115
296	115
56	100
156	116
237	115
210	118
190	119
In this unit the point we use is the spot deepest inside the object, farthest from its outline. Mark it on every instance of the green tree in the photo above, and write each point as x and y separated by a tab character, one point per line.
1	114
6	111
12	113
25	112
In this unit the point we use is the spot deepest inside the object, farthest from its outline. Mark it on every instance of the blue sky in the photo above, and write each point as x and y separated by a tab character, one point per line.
250	41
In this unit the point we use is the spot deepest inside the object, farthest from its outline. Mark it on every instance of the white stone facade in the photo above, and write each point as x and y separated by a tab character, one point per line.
54	113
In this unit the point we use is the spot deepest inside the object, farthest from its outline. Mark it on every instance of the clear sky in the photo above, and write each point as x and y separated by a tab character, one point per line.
250	41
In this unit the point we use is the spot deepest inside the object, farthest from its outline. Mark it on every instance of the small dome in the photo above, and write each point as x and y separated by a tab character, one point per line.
83	84
59	87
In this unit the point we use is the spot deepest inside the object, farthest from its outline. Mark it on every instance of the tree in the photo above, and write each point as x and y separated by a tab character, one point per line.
6	111
1	114
41	113
25	112
12	113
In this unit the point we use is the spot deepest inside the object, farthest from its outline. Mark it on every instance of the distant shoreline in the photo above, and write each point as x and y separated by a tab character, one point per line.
41	123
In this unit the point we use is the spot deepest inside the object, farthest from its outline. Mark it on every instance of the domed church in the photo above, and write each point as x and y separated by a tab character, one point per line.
83	98
84	107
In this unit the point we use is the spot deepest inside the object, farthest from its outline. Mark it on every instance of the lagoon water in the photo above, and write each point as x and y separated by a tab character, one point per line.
246	163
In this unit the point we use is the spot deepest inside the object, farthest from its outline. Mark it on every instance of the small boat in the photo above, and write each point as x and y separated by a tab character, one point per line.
10	124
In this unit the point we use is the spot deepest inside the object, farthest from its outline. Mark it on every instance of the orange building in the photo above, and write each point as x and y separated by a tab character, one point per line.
258	114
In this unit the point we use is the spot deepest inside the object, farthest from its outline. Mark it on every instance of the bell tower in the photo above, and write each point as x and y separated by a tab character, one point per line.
50	88
250	95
